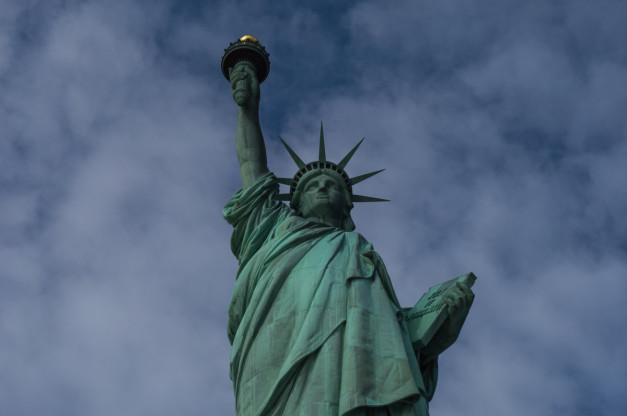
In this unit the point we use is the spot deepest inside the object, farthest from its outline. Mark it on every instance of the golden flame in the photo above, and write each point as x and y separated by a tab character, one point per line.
249	38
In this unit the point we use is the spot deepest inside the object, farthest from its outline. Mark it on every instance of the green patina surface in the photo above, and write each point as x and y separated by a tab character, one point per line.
314	322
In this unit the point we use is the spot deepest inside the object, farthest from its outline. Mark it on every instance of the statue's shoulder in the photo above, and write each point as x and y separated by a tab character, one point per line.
290	222
358	241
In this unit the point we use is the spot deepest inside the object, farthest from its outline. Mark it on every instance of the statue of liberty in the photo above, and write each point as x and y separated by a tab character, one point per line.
314	323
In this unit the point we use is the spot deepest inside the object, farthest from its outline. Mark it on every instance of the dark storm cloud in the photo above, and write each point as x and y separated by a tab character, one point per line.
500	125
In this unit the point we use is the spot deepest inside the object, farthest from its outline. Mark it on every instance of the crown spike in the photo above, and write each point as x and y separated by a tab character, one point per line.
350	154
322	157
285	181
284	197
293	154
361	178
362	198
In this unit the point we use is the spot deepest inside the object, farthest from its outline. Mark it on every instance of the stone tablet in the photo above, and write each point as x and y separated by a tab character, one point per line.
426	317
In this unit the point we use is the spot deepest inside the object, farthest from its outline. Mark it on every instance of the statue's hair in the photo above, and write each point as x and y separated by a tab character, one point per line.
347	221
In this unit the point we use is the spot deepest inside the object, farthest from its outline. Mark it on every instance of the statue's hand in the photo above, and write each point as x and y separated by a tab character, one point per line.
244	85
458	301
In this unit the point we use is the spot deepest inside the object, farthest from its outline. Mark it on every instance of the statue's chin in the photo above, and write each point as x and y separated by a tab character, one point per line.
241	97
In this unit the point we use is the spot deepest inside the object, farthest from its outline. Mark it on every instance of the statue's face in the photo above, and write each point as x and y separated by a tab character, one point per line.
322	197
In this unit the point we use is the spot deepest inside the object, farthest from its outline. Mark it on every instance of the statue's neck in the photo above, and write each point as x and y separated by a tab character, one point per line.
332	222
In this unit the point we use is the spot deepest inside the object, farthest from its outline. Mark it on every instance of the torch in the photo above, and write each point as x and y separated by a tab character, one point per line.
246	49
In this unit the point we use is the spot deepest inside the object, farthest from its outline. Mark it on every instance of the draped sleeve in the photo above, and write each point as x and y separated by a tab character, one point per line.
254	212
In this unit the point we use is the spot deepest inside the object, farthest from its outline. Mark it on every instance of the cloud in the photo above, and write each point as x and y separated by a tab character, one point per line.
499	125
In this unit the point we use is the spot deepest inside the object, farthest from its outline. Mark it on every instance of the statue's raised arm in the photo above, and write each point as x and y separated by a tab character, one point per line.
246	64
249	144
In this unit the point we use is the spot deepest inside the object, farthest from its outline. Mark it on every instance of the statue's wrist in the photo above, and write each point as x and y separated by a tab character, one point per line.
250	111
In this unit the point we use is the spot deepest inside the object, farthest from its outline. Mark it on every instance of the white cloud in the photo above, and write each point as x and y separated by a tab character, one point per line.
500	127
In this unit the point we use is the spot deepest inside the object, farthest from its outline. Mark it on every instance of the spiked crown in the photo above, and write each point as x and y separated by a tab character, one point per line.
322	164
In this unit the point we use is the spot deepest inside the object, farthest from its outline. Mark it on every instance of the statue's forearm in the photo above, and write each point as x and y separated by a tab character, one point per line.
440	342
250	147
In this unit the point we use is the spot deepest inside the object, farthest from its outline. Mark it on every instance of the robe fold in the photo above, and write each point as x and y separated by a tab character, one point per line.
314	323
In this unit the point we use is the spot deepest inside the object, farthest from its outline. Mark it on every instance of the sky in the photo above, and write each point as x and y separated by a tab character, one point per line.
501	126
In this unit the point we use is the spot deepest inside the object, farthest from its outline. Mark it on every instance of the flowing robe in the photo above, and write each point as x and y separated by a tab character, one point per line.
314	323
